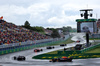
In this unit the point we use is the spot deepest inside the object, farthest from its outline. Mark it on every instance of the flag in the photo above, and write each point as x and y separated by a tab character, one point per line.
1	17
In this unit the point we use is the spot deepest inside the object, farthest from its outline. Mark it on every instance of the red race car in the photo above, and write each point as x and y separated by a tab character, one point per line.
78	41
38	50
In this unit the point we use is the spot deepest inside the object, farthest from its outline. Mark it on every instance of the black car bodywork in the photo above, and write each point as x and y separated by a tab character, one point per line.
78	47
62	44
19	58
50	47
61	60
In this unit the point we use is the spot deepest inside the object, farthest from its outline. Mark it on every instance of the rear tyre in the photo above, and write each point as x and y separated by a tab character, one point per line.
15	58
41	49
64	49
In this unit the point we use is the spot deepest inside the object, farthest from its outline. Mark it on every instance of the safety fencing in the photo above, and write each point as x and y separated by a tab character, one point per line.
97	36
15	47
28	42
24	47
76	54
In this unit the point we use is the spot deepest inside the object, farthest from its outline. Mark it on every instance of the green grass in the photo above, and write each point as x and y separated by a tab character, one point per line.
94	38
64	42
67	41
95	50
53	52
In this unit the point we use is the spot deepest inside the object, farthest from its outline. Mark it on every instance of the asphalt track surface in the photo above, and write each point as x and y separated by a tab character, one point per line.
7	60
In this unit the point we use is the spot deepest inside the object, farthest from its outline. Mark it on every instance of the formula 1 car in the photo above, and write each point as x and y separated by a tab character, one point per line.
62	44
78	47
78	41
50	47
63	59
19	58
65	49
38	50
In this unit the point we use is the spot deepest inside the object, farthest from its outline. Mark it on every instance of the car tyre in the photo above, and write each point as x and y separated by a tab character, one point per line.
41	49
15	58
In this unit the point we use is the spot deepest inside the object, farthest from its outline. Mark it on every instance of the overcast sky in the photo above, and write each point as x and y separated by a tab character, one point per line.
46	13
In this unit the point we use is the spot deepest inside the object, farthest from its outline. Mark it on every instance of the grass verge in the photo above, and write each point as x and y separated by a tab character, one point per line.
95	50
64	42
94	38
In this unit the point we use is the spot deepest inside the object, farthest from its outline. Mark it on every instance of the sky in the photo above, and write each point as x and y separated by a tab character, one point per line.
47	13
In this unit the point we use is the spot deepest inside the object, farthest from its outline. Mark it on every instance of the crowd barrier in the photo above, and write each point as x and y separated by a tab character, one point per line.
15	47
94	36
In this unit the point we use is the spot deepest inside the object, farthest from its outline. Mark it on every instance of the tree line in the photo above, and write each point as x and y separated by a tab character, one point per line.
54	34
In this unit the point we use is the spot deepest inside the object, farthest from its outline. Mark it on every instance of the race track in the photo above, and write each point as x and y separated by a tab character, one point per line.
7	60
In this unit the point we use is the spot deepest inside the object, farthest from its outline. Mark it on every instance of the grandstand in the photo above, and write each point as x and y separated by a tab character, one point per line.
11	33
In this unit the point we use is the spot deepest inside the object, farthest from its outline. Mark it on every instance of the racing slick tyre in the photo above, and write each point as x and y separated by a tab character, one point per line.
64	49
24	58
41	49
15	58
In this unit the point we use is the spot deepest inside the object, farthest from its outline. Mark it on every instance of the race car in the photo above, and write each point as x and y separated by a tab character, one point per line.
62	44
78	41
65	49
19	58
78	47
50	47
38	50
63	59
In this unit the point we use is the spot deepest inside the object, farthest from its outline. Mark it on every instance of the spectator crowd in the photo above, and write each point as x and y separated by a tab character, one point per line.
11	33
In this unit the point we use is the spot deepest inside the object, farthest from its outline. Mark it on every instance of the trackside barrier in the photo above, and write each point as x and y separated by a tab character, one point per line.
4	49
25	47
97	36
76	54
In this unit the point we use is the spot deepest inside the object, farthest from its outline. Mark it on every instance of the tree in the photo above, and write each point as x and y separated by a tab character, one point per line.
37	28
67	29
55	34
27	25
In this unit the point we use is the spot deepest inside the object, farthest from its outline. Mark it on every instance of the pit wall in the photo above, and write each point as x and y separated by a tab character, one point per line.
78	54
5	49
